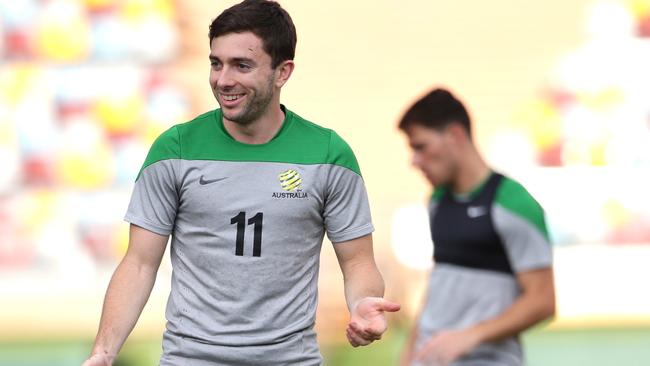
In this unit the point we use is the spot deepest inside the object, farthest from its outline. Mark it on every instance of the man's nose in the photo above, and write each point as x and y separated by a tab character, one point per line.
225	78
416	160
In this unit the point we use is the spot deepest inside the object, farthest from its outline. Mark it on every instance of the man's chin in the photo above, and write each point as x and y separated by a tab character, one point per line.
436	182
236	118
431	181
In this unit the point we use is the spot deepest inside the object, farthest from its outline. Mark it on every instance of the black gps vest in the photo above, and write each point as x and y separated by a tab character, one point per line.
463	231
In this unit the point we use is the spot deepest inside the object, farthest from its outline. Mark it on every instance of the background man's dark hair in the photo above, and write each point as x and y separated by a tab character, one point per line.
437	110
265	19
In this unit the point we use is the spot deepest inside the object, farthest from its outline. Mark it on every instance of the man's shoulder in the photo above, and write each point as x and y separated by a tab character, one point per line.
511	192
314	136
308	129
199	122
513	197
193	127
171	143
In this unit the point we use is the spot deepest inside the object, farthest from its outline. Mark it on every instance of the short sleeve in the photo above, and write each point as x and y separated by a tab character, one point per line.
519	220
346	208
154	200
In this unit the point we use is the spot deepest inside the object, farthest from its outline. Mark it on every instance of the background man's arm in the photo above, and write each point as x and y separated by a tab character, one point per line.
408	351
364	289
535	304
128	292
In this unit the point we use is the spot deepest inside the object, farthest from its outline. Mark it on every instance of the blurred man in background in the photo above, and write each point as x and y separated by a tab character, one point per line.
247	192
492	276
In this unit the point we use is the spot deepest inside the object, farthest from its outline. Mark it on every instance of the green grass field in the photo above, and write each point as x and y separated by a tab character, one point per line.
570	347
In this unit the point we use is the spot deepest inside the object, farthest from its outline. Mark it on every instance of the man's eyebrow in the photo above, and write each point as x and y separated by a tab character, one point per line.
243	59
234	59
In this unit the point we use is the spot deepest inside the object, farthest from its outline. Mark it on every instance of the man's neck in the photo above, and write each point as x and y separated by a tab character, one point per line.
260	131
471	173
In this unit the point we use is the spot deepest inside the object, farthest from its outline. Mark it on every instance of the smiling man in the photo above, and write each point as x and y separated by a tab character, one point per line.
492	277
247	193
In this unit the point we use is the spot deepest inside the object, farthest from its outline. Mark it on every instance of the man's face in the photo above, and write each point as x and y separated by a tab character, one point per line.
241	77
433	153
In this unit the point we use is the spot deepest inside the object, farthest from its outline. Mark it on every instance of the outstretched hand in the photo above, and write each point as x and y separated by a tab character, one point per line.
367	320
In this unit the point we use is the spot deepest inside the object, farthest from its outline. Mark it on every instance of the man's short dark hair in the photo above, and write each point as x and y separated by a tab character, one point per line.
265	19
437	110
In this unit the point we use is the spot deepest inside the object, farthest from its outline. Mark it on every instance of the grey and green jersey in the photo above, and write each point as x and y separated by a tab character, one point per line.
481	241
247	224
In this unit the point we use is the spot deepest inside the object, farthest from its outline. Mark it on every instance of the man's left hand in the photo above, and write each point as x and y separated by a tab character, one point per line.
447	346
367	320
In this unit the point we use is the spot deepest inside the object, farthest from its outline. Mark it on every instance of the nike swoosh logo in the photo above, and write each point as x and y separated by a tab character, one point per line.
203	181
476	211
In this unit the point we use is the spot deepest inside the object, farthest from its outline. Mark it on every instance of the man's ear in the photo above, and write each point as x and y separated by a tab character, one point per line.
458	133
283	72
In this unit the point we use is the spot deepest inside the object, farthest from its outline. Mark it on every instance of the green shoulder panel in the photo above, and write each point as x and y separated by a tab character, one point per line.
302	142
298	141
438	193
200	137
341	154
512	196
166	146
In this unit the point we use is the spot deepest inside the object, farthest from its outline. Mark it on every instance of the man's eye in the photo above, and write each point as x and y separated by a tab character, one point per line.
244	66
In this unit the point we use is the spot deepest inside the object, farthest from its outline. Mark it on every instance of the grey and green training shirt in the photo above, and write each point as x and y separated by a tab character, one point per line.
481	242
247	224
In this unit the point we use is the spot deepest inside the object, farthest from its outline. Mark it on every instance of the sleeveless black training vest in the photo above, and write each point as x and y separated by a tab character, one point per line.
463	231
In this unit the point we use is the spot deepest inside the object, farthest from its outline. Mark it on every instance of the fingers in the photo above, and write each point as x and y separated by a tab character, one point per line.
389	306
366	333
380	304
357	336
355	339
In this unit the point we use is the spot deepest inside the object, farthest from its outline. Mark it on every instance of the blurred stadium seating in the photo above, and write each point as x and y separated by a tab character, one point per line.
559	92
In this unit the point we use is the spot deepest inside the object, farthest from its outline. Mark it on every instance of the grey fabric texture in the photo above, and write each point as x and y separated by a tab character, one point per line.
527	248
221	301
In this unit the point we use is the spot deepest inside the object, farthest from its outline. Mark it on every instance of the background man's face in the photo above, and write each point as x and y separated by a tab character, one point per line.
432	153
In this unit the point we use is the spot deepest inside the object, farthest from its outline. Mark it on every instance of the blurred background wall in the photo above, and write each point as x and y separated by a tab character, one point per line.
560	96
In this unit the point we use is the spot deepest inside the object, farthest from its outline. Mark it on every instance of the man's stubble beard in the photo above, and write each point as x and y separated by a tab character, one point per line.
256	107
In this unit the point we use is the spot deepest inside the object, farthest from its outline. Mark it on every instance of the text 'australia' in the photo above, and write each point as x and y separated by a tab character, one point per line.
289	195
